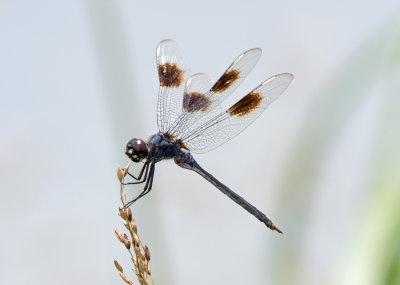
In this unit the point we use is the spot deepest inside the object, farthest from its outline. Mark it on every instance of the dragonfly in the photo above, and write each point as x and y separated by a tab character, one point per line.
191	119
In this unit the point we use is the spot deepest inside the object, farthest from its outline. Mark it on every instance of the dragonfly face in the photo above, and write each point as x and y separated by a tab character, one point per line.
136	150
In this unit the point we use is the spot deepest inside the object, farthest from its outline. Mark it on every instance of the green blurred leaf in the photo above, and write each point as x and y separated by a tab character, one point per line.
375	60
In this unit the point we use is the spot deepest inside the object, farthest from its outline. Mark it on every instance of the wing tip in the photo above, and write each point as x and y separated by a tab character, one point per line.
167	44
166	41
285	74
289	76
254	50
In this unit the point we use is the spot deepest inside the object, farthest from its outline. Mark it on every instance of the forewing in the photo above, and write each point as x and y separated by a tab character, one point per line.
196	105
235	74
202	98
172	73
226	125
194	97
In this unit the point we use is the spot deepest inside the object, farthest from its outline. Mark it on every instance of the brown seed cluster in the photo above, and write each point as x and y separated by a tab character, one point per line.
139	253
246	105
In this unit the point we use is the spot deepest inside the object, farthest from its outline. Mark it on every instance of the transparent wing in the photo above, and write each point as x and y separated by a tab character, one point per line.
235	74
196	105
227	124
172	73
202	98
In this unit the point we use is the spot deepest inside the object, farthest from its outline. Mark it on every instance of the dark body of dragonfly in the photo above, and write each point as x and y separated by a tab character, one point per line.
190	118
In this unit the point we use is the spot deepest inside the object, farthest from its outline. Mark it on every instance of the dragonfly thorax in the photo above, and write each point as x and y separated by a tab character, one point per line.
162	147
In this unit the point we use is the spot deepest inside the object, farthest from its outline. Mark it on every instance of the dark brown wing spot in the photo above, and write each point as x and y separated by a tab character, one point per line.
181	144
226	80
246	105
170	75
195	101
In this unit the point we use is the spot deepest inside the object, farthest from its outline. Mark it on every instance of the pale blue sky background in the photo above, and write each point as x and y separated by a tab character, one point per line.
78	80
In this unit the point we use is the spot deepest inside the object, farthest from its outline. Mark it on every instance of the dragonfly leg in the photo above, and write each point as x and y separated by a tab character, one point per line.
147	187
145	168
141	171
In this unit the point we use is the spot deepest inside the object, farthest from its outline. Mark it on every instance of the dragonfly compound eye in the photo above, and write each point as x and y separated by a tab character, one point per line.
136	150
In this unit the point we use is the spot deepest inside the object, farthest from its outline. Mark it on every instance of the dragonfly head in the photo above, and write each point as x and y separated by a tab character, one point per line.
136	150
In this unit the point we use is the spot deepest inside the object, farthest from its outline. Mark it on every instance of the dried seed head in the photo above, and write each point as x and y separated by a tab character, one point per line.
134	227
142	255
147	253
126	168
122	213
125	278
129	215
137	250
148	270
127	242
119	236
141	265
120	174
125	223
135	240
119	267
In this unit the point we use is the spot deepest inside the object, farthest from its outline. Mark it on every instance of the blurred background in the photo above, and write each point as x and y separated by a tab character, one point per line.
78	80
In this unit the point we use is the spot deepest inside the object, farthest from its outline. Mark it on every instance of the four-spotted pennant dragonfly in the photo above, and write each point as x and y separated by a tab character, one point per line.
190	118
